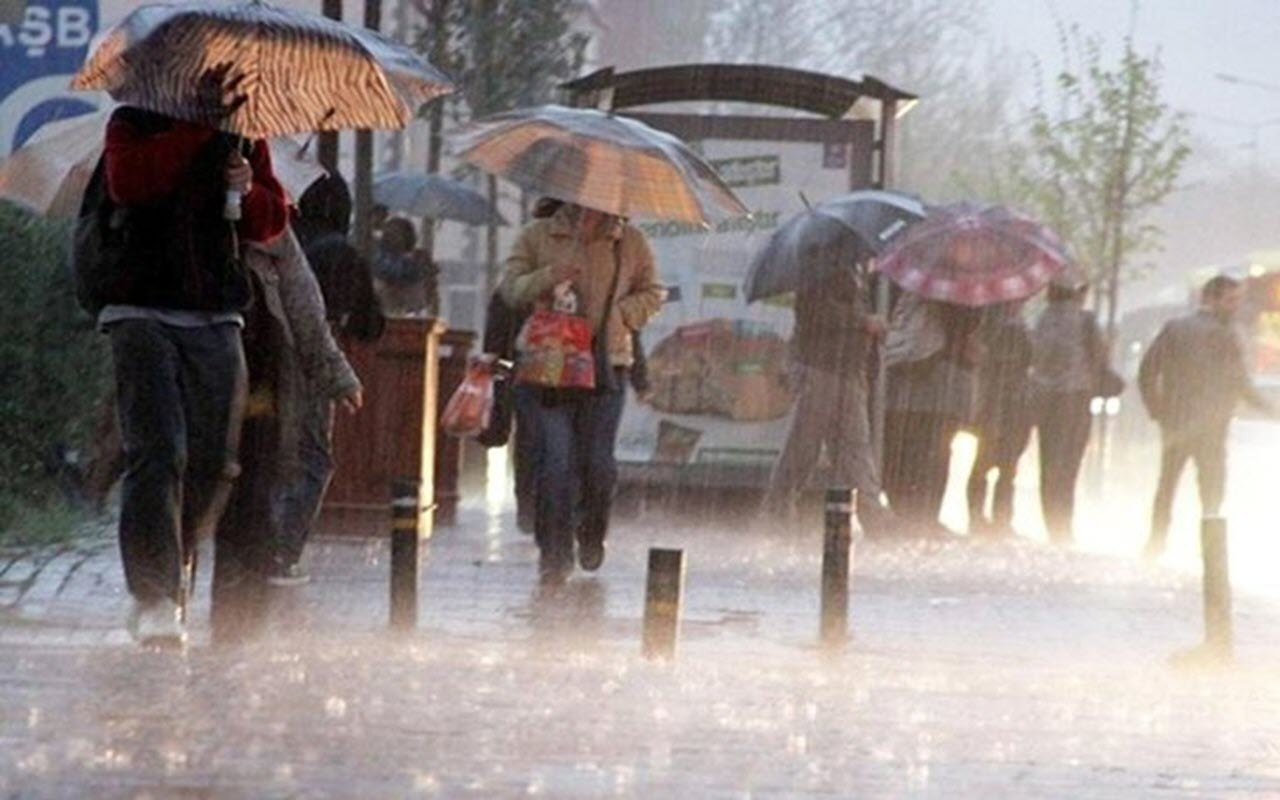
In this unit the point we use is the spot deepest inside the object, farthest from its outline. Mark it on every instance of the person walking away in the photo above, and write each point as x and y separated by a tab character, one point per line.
832	348
1067	353
348	305
576	431
1191	380
1001	420
173	315
404	278
931	357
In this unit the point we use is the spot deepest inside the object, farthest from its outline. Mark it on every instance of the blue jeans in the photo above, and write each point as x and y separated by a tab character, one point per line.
299	501
576	475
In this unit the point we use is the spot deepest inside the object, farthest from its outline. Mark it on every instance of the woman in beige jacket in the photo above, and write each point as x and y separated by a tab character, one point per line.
576	431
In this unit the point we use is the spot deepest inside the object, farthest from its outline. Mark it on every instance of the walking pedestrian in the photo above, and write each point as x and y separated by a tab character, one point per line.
1192	378
346	303
173	314
832	350
931	355
1067	358
1001	422
576	430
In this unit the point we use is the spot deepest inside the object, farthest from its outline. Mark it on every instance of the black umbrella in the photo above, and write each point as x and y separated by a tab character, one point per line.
839	232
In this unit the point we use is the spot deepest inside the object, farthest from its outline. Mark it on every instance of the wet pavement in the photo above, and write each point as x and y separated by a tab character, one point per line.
1002	669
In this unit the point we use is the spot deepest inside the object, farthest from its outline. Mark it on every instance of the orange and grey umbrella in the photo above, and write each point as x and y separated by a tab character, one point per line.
603	161
49	173
257	70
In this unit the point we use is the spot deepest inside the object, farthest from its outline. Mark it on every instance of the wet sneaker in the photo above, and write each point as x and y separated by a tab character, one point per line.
590	555
281	574
157	624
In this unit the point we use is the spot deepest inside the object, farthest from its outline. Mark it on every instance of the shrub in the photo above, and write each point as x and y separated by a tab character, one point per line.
53	365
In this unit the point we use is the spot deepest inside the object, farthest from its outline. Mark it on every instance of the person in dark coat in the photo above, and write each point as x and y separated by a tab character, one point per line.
1192	378
352	310
1067	354
1001	422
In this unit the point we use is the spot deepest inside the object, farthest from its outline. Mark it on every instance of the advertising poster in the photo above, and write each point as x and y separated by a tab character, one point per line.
718	365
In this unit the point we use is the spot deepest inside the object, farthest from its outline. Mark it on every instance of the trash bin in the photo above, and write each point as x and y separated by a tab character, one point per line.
394	435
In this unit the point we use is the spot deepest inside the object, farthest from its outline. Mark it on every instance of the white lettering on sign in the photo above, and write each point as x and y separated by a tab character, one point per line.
41	28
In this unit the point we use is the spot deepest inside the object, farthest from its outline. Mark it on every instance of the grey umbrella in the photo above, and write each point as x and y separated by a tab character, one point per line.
837	232
424	195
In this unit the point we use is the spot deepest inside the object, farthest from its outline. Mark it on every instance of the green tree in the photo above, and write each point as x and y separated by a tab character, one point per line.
502	54
54	364
1103	152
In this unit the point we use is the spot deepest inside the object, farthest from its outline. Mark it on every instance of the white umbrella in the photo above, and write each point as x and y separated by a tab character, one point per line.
49	173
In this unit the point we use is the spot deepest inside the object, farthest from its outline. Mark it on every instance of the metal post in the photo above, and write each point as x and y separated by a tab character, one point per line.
1219	638
837	541
327	144
405	559
364	157
663	593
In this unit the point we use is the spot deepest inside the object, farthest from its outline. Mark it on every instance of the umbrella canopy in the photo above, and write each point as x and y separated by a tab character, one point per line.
838	232
50	172
877	216
809	247
974	256
434	196
601	161
257	70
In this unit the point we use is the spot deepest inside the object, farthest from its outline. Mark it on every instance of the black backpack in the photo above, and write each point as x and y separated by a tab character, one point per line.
99	246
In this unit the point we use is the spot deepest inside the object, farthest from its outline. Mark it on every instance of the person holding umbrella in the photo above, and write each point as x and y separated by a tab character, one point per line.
834	342
605	168
610	266
174	321
204	84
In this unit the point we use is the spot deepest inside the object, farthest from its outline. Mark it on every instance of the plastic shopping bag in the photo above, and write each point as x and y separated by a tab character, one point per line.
555	351
468	411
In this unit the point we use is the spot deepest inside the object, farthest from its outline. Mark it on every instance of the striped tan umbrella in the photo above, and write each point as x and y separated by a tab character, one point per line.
601	161
49	173
258	70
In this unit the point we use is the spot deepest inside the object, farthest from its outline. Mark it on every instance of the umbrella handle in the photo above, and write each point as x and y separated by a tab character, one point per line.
231	205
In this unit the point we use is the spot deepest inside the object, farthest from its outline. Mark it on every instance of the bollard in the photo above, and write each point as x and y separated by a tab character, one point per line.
405	514
663	593
1219	638
837	542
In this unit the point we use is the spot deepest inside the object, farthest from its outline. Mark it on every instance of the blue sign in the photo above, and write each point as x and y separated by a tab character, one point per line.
38	58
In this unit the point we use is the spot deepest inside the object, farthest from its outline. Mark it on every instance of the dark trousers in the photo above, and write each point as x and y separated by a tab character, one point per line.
1000	446
180	393
524	453
1063	420
917	460
576	474
299	501
1208	448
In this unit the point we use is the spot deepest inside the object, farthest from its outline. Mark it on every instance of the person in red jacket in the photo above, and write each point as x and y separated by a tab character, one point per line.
190	196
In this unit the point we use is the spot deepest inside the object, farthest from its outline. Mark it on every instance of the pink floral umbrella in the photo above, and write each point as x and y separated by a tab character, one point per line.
974	255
